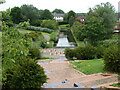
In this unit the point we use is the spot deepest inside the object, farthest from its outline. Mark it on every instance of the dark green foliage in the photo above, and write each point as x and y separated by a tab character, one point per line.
95	30
109	42
46	15
58	11
43	44
26	73
100	51
19	71
85	53
112	58
69	53
34	53
16	15
30	12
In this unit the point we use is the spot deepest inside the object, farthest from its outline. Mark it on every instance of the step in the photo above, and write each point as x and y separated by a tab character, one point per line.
91	80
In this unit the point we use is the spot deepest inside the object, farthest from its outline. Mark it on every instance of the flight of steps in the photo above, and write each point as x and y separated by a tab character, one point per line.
89	81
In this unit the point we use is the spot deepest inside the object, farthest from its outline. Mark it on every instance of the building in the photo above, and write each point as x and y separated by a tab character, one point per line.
58	17
81	19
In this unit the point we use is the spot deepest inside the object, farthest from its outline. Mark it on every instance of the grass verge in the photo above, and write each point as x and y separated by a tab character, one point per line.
90	66
79	43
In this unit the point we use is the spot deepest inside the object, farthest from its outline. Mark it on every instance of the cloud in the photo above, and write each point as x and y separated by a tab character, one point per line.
65	5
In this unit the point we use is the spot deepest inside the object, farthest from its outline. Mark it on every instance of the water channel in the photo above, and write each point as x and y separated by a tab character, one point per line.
66	39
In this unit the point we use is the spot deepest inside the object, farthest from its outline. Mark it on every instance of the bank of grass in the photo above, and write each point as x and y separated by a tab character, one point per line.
45	33
90	66
66	26
116	85
79	43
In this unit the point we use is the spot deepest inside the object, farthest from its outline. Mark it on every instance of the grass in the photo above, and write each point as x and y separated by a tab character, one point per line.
45	33
116	85
50	44
47	58
63	26
90	66
79	43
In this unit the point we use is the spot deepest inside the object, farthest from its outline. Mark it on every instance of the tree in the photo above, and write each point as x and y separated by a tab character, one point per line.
16	15
106	12
58	11
30	12
69	15
2	1
46	14
95	30
78	30
6	17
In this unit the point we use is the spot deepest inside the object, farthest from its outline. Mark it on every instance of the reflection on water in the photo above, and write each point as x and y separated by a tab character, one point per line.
63	41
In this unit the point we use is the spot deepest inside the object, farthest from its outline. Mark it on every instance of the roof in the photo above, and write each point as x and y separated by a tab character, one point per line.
58	15
79	18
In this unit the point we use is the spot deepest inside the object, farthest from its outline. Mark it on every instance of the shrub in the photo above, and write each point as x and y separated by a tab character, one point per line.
51	24
43	44
109	42
34	52
33	35
99	51
69	53
112	59
54	36
40	29
26	73
85	53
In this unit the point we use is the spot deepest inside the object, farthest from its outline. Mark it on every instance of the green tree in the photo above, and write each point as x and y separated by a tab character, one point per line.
16	15
46	14
2	1
30	12
6	17
106	12
70	15
78	30
95	30
58	11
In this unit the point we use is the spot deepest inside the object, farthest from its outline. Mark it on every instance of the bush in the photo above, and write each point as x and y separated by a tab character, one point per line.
69	53
51	24
33	35
54	36
40	29
100	51
109	42
112	59
34	52
26	73
85	53
43	44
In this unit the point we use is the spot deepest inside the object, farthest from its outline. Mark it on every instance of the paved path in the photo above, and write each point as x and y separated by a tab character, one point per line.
59	70
47	37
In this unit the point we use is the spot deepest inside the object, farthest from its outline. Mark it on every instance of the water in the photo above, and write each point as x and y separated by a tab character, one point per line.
66	39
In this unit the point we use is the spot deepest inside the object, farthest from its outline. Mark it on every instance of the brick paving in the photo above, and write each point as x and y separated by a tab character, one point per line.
60	69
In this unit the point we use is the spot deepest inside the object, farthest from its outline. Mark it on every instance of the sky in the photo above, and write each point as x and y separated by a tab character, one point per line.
78	6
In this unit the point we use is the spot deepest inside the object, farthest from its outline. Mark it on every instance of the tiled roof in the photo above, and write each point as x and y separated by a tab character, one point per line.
58	15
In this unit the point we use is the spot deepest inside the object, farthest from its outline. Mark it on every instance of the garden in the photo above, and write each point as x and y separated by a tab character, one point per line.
25	35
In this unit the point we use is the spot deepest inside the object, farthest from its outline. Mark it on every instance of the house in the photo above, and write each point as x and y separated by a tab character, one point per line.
81	19
58	16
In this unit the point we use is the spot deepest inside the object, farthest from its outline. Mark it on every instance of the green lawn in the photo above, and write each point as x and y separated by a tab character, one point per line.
90	66
63	26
